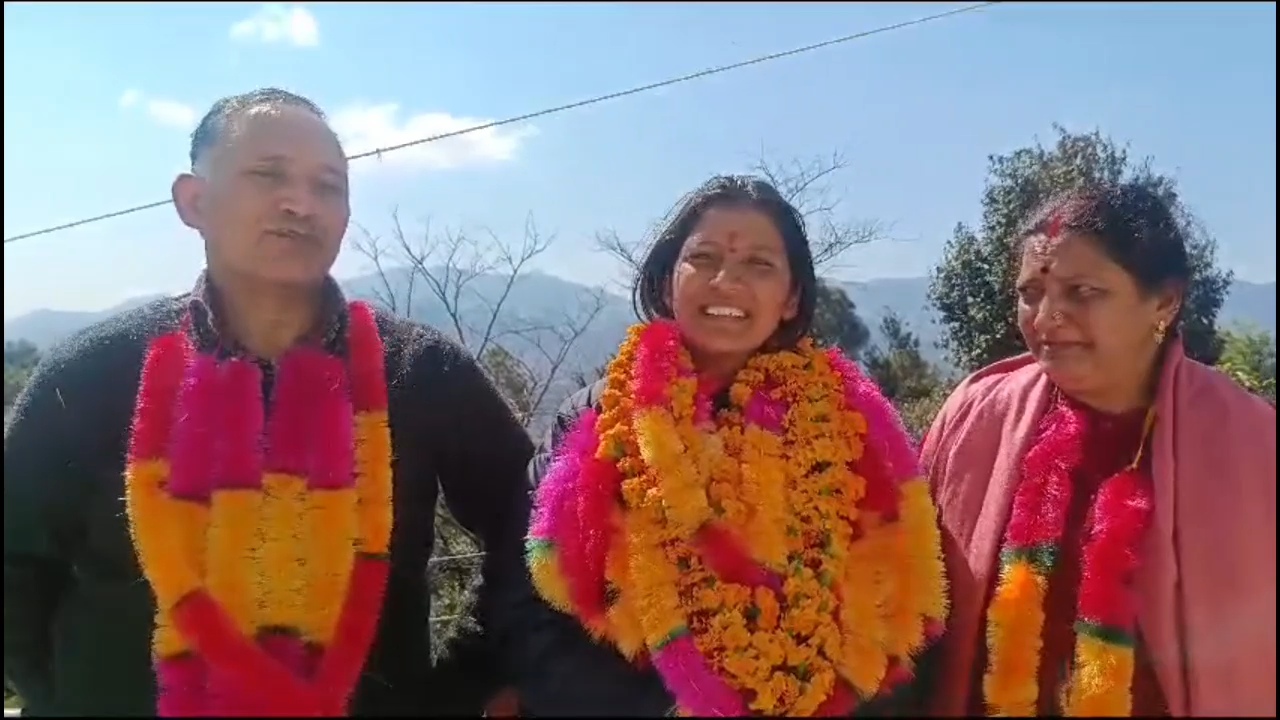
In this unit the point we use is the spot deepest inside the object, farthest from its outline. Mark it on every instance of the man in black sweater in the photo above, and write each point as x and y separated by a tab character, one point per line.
268	195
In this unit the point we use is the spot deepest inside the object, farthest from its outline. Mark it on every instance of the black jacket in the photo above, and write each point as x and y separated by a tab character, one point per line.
78	614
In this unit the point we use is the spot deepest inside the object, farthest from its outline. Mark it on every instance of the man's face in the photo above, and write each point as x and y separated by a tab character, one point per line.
271	199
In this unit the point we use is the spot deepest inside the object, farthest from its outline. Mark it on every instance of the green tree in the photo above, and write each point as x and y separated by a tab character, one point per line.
513	378
20	359
897	366
973	287
21	353
915	386
1249	356
918	414
836	322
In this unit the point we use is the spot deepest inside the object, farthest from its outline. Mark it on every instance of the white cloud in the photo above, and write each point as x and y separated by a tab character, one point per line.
364	128
168	113
276	23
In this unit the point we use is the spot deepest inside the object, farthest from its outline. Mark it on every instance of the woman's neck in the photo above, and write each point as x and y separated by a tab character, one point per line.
1126	396
716	372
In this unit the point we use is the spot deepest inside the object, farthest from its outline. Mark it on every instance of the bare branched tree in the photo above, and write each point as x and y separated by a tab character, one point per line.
382	255
472	277
806	184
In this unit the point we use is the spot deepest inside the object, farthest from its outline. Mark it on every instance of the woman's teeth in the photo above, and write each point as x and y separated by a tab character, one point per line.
729	312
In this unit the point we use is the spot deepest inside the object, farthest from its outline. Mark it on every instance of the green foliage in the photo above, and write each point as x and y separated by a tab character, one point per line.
20	358
1249	357
836	322
513	379
904	375
973	286
454	579
918	413
912	383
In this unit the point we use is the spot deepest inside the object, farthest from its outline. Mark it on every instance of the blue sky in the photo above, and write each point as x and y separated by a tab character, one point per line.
99	98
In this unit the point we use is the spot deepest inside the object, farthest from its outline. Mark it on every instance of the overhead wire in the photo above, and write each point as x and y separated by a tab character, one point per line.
377	153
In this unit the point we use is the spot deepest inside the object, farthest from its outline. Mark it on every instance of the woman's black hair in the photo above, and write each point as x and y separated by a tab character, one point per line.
1134	225
650	296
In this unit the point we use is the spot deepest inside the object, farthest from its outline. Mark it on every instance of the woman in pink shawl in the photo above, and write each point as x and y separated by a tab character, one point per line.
1108	503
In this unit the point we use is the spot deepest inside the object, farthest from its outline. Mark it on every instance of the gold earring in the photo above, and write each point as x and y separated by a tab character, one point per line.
1162	328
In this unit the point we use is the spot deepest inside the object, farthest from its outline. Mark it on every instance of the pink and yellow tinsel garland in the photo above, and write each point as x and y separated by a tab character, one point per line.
268	565
799	514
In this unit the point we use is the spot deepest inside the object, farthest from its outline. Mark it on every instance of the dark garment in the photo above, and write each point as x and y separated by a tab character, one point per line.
1111	443
77	613
560	670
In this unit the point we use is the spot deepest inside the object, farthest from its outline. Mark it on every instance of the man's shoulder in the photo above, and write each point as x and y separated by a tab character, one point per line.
93	374
413	348
123	337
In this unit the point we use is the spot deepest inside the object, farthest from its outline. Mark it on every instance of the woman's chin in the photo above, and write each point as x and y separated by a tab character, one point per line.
1069	376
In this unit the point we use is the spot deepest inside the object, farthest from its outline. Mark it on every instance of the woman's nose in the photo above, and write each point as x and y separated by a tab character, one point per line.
1048	316
727	273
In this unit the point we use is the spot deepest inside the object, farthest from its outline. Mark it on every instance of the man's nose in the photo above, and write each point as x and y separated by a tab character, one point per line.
296	200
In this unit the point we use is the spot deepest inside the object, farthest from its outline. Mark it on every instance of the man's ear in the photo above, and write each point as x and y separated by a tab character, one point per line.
188	198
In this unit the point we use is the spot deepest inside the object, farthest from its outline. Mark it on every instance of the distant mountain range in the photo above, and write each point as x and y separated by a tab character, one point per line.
541	299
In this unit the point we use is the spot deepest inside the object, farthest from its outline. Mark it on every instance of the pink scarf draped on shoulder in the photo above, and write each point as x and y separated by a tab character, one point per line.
1207	581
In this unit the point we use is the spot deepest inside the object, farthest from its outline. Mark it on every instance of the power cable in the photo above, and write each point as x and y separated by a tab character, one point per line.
557	109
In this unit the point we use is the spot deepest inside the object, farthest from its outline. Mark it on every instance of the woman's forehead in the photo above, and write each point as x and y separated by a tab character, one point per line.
1065	254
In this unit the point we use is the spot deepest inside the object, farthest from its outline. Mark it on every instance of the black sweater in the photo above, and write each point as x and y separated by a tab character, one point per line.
77	612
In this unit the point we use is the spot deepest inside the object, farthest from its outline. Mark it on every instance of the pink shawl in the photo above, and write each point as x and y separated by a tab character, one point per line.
1207	610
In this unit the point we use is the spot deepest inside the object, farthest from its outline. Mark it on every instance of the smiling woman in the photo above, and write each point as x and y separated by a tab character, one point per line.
734	271
734	512
1091	296
1108	503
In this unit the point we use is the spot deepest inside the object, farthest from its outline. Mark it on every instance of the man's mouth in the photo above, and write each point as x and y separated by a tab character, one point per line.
292	235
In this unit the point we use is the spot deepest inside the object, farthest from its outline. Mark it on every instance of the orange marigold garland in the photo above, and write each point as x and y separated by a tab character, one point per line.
1101	679
268	567
778	558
